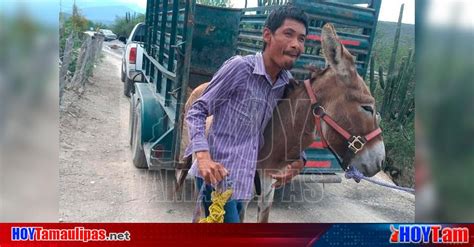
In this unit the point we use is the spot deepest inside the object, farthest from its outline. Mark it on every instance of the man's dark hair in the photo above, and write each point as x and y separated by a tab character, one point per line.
288	11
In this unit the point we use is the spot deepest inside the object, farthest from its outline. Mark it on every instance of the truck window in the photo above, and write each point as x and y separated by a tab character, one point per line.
139	35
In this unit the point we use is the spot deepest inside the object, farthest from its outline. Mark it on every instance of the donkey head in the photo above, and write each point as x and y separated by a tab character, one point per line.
346	99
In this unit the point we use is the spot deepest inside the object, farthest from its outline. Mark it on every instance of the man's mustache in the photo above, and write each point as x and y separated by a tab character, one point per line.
292	53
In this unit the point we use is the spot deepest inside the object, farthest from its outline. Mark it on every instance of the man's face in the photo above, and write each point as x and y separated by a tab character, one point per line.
286	44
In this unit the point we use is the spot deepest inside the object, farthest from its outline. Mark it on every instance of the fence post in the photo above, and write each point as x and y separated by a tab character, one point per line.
78	79
87	56
67	55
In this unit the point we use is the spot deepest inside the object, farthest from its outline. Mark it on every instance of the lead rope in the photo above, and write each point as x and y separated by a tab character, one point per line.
355	174
219	199
216	210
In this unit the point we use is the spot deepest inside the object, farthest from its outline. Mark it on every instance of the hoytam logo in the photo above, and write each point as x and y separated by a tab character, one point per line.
75	234
435	234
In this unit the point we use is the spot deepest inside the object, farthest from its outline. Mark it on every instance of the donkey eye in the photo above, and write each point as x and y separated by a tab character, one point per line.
368	108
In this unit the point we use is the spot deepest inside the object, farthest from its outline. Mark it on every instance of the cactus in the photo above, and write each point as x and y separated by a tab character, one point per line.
381	80
371	76
388	90
403	105
408	69
393	58
395	81
398	99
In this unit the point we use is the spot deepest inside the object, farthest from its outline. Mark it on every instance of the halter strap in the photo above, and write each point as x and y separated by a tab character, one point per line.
356	143
336	127
312	96
373	134
322	114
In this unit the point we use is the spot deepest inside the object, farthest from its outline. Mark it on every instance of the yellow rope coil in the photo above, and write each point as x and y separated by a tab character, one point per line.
216	210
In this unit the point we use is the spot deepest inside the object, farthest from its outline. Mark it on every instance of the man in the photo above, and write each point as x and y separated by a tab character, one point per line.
241	96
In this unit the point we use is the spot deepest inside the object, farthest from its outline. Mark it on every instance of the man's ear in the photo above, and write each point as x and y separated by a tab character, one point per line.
267	35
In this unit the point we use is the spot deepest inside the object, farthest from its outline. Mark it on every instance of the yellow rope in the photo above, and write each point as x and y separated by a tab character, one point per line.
216	210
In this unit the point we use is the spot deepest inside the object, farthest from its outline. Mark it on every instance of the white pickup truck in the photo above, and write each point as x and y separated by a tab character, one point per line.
132	57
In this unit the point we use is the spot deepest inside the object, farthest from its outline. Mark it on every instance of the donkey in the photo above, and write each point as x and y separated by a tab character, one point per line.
341	94
343	97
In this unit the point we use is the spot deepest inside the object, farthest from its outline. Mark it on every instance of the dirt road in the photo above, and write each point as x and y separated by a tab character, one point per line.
98	182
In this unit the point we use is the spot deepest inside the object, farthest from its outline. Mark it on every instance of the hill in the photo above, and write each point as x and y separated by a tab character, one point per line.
384	38
106	14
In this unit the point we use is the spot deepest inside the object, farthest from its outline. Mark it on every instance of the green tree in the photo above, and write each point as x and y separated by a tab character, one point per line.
79	22
73	25
123	25
97	25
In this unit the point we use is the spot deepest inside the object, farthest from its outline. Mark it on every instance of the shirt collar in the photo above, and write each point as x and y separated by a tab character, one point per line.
259	65
259	69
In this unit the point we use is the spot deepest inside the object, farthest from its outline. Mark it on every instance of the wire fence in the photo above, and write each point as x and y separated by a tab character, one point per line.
77	65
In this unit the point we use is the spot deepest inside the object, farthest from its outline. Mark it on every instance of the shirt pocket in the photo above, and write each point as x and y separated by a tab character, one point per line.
241	112
246	112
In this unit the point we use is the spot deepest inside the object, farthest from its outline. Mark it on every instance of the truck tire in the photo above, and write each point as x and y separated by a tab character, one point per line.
127	87
138	155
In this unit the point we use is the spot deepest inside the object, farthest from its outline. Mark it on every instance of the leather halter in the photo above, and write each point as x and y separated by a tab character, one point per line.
356	143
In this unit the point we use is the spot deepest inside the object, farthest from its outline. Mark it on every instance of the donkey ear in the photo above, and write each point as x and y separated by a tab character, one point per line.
334	51
332	48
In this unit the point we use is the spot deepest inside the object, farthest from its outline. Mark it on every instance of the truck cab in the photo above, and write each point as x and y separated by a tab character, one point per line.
132	57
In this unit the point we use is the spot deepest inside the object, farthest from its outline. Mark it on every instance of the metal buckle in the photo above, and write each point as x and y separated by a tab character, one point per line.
319	111
356	143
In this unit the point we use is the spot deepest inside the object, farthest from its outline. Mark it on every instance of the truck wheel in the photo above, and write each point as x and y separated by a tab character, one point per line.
127	87
138	155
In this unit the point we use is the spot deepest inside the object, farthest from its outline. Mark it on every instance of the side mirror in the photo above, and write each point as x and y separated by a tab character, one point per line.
123	39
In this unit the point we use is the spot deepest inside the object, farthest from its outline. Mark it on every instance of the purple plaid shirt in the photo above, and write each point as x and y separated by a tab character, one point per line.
241	97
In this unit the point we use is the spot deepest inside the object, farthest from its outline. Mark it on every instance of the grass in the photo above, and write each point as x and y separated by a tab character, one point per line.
400	152
399	147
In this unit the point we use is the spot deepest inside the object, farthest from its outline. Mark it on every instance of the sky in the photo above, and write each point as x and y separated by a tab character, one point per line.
391	9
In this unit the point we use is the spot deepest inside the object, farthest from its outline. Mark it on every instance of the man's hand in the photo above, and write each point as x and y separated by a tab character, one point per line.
212	172
290	172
